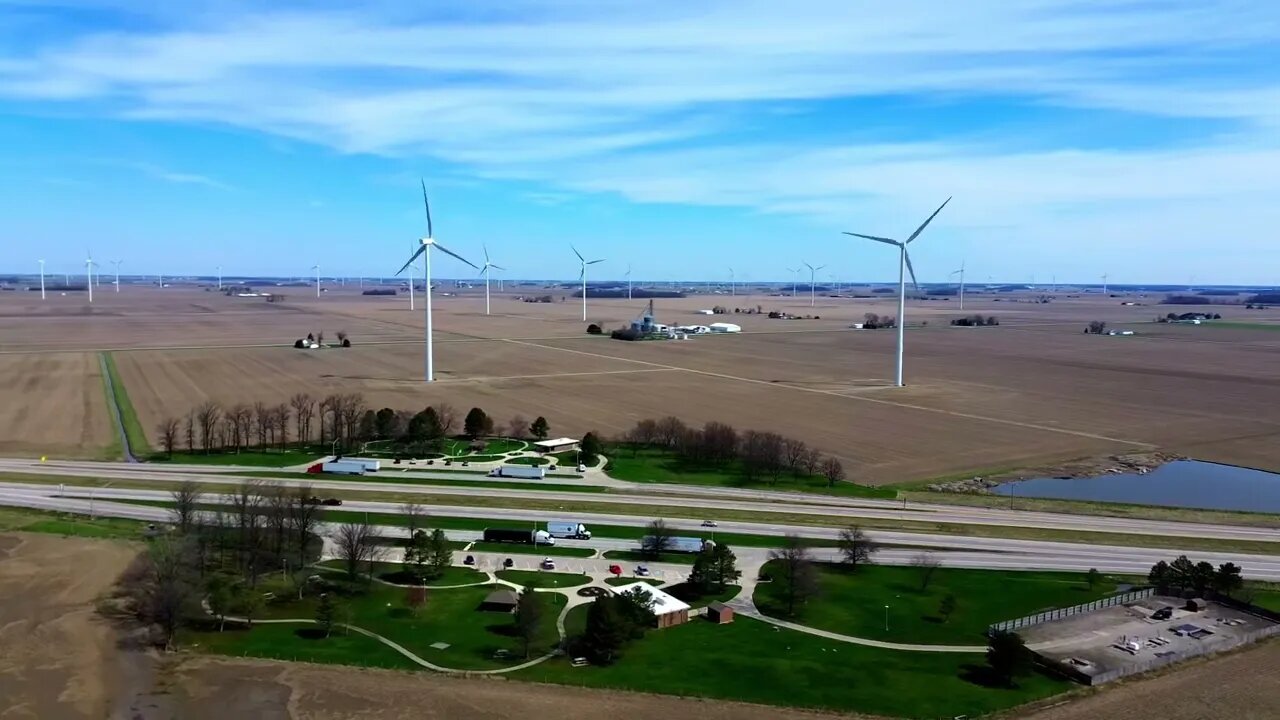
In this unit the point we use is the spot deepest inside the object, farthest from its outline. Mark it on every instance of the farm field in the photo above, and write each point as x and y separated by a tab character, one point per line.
55	404
1033	391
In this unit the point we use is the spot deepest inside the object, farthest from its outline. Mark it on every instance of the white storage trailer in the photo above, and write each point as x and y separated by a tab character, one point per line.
528	472
343	467
680	544
369	465
568	529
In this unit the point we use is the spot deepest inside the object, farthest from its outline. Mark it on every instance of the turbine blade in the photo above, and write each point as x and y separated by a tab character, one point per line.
575	252
450	252
808	266
497	267
887	241
910	269
920	229
486	253
421	249
820	267
593	262
427	205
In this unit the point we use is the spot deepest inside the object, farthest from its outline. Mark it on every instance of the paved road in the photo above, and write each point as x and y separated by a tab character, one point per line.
709	500
955	551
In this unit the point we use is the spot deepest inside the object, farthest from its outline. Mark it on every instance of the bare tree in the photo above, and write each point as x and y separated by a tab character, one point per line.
304	516
855	547
796	578
276	515
668	430
230	432
518	427
281	423
793	454
720	441
414	518
207	415
168	432
247	518
657	539
645	432
448	416
244	415
261	420
190	428
812	462
352	407
356	544
833	471
161	587
186	505
304	409
926	565
771	454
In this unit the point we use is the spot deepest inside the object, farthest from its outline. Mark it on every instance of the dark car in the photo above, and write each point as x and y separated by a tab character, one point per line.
508	563
331	501
471	560
1163	613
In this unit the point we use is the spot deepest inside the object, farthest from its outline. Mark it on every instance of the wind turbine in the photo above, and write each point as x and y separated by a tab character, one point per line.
582	275
485	270
88	271
732	279
904	266
317	269
1104	283
628	281
117	264
960	272
813	273
41	279
411	308
219	277
795	279
427	243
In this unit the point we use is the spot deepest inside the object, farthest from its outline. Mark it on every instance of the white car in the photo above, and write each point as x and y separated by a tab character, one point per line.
709	523
642	571
548	564
582	468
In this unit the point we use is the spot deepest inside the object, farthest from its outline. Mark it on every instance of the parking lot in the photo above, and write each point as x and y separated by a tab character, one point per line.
1104	645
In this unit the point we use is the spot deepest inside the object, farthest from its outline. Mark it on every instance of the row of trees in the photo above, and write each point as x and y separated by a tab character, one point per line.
1183	575
976	321
757	454
341	420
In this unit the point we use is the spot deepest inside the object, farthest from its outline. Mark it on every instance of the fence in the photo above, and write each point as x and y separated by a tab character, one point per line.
1049	615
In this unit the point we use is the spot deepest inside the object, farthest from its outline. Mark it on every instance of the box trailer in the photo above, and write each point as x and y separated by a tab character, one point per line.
343	467
517	535
369	465
568	529
680	544
528	472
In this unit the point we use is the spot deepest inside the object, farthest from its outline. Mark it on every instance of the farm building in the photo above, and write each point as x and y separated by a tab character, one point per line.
719	613
556	445
500	600
725	327
666	608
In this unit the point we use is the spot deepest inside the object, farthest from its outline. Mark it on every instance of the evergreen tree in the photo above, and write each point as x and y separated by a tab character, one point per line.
1008	657
605	633
441	555
589	449
725	566
418	554
475	423
540	428
530	616
702	576
1227	579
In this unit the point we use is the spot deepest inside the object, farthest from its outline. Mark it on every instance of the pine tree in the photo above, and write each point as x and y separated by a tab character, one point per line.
441	555
605	632
540	428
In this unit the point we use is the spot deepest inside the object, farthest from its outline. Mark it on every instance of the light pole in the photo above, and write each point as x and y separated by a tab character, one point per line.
886	618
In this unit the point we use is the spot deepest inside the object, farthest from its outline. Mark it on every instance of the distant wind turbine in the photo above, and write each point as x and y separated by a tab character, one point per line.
904	266
582	275
429	242
88	270
1104	283
795	279
960	272
117	264
732	289
219	277
411	308
42	280
813	274
485	270
628	281
317	269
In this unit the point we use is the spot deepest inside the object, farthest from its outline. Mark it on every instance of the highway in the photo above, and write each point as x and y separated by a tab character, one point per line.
950	550
707	500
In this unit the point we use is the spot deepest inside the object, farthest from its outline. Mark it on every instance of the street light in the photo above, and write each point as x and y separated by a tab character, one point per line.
886	618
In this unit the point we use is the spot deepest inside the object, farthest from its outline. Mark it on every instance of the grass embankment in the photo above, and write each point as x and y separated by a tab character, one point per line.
751	661
389	475
296	642
1106	509
619	581
43	521
668	557
451	616
543	578
650	465
518	548
247	458
529	460
133	431
690	595
853	603
395	573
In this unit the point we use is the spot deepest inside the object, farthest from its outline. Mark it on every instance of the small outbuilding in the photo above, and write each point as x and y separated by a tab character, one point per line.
500	600
668	610
555	446
721	327
719	613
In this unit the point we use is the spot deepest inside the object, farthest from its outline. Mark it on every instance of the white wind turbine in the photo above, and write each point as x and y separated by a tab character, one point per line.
1104	283
485	270
88	271
317	269
582	275
117	264
424	250
960	272
628	281
795	279
42	280
813	273
904	266
411	308
733	292
219	277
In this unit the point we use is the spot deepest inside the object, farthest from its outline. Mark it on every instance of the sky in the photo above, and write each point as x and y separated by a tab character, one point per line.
1140	139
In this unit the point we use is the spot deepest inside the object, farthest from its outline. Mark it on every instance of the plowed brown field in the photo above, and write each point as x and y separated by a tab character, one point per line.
53	404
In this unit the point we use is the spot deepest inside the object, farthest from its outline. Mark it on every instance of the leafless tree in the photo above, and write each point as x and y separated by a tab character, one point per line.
246	514
720	441
793	454
833	471
190	429
415	517
855	547
331	409
207	415
276	516
282	425
244	423
448	416
161	586
261	420
668	430
168	432
304	409
796	578
518	427
351	407
926	565
645	432
230	435
304	516
356	544
657	539
186	505
812	462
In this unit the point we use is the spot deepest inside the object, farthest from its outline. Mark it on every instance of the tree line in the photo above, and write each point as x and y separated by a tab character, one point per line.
755	454
1182	575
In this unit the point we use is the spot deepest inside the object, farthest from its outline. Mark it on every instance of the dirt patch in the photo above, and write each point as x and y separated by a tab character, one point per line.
1242	686
60	659
54	405
212	689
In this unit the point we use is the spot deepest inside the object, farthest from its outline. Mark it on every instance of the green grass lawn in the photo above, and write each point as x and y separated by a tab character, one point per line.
639	557
529	460
687	593
552	550
751	661
618	581
248	458
392	474
648	465
452	575
1265	595
293	642
128	416
42	521
854	603
543	579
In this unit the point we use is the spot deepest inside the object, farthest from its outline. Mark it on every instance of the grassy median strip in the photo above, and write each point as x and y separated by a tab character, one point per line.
43	521
128	416
398	479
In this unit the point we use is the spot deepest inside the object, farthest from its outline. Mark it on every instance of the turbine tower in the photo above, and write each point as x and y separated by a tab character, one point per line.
117	264
628	281
88	271
813	273
904	266
41	279
960	272
485	270
424	250
733	292
1104	283
317	269
411	308
582	275
219	278
795	279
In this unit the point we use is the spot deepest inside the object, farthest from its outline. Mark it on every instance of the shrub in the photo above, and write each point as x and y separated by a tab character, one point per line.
594	329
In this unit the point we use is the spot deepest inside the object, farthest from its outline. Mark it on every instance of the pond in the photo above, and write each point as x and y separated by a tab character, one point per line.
1183	483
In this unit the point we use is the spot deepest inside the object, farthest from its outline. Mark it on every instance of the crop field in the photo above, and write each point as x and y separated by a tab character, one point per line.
1034	390
54	404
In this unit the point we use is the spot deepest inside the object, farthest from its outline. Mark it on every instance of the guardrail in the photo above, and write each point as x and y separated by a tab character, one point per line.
1049	615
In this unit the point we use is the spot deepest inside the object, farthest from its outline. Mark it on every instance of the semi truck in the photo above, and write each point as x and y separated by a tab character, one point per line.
343	467
517	535
369	465
527	472
681	544
568	529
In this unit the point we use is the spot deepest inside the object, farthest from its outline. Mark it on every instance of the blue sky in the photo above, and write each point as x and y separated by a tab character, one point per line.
1140	138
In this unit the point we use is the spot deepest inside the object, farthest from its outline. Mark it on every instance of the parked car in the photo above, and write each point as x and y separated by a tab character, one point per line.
582	468
1163	613
709	523
331	501
642	571
548	564
470	560
508	563
615	569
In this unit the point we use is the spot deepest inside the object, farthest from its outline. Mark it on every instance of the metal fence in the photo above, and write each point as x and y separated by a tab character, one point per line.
1050	615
